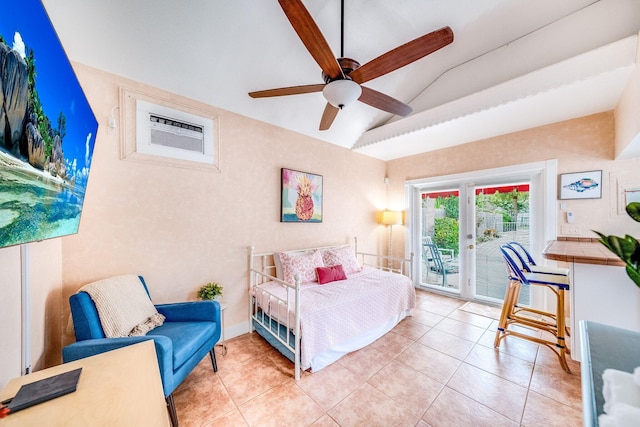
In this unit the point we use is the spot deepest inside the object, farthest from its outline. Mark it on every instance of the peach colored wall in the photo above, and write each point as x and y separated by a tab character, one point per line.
181	228
10	314
46	301
45	285
581	144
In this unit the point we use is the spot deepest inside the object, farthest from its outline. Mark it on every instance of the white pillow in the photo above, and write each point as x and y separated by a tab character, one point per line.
304	264
278	264
342	256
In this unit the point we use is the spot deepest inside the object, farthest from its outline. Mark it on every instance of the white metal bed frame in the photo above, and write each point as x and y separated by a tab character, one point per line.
266	272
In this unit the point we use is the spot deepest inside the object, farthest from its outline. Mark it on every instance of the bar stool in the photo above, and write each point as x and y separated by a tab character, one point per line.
513	314
530	264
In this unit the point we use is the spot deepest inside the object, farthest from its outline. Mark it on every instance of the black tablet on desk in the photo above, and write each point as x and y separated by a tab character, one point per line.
45	389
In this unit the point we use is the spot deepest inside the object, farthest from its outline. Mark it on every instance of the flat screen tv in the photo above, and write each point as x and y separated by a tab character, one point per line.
47	129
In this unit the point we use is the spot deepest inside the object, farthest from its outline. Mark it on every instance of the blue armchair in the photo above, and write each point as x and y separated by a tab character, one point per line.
190	331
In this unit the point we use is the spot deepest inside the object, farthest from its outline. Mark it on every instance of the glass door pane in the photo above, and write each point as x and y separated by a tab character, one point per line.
440	239
502	216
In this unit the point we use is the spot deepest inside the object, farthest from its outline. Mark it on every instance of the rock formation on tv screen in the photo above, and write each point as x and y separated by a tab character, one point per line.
22	118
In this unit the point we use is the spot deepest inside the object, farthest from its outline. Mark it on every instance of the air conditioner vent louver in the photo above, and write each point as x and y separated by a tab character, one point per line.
167	132
173	133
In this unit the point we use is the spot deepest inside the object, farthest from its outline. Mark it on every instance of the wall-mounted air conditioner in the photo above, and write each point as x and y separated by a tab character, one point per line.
166	132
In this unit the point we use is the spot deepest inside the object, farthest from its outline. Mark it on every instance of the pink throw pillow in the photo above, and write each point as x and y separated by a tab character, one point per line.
330	274
343	256
304	265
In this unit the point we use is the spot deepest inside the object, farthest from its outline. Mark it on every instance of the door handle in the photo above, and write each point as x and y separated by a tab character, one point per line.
470	246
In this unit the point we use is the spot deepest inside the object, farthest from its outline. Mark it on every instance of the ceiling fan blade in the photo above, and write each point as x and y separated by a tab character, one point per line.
311	37
292	90
384	102
329	115
403	55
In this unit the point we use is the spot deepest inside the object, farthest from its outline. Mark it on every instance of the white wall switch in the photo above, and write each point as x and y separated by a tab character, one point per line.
570	217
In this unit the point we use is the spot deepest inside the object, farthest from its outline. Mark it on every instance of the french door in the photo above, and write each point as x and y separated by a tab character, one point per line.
501	214
458	222
440	254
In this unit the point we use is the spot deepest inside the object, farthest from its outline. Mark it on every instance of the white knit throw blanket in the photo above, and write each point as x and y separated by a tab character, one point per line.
123	306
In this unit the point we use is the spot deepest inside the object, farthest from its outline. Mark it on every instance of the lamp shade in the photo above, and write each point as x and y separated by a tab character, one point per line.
341	93
391	217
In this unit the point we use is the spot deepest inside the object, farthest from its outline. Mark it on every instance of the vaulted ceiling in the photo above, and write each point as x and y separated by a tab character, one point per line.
513	64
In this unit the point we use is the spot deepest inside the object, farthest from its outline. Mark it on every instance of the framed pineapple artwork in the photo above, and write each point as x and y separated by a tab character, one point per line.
301	197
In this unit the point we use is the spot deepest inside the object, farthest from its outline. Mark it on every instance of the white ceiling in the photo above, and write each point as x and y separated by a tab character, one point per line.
514	64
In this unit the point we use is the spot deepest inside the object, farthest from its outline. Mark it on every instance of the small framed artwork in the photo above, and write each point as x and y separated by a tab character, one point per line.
581	185
301	197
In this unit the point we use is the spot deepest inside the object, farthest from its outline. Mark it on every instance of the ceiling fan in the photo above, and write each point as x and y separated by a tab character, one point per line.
343	77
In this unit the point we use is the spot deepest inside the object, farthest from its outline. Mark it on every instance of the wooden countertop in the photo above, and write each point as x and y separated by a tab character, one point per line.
581	250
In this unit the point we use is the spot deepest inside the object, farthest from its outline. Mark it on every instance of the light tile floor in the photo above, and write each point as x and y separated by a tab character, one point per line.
436	368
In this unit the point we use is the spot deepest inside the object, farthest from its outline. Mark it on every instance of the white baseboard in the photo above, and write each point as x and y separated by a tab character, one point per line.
236	330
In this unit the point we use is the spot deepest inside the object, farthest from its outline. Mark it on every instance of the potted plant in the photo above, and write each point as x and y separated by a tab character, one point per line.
210	291
626	248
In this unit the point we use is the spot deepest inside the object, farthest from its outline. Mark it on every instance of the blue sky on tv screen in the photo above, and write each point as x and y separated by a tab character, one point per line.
56	82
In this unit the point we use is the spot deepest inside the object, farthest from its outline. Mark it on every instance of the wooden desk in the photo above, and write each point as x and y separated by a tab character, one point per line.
121	387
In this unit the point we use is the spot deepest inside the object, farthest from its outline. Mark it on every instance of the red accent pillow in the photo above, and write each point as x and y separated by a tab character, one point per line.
330	274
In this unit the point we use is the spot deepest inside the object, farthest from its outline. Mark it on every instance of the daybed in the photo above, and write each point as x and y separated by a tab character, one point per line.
314	323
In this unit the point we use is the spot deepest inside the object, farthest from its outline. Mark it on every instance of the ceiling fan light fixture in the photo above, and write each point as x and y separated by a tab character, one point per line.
342	92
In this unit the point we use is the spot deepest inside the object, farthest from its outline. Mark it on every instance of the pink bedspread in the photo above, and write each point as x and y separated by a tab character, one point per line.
335	312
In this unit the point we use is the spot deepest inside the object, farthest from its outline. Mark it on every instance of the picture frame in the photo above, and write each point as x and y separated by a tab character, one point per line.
301	196
581	185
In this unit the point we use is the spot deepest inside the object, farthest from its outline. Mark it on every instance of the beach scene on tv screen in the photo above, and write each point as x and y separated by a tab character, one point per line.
47	130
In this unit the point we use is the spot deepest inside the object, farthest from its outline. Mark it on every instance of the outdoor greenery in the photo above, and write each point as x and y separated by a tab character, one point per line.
446	230
508	204
450	205
487	234
626	248
446	233
47	132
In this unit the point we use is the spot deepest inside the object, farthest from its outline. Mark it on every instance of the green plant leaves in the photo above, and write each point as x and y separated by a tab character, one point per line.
446	232
623	247
633	209
633	275
628	250
209	291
